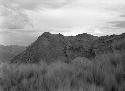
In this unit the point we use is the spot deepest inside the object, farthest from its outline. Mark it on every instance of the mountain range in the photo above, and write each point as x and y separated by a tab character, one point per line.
56	47
8	52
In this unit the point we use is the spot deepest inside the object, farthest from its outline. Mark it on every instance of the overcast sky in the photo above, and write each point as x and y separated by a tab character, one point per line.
22	21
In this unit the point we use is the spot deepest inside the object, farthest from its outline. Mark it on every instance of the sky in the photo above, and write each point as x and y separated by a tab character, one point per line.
22	21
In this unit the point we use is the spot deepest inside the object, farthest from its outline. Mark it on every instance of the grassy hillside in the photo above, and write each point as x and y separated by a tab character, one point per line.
52	47
8	52
103	72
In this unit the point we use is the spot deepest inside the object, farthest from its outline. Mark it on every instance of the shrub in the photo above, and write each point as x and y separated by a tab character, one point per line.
119	45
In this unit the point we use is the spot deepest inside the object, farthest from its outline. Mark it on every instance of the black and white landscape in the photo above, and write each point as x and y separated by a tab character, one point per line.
62	45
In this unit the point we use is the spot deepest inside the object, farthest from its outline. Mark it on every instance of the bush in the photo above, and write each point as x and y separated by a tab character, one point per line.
119	45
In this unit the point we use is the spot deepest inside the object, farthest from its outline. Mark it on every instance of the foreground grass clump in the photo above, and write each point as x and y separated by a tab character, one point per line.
104	73
21	78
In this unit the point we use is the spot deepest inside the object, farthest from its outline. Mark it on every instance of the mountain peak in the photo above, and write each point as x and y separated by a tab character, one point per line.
53	47
45	34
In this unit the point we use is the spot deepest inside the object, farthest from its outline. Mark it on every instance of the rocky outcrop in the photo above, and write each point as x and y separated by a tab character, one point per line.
52	47
56	47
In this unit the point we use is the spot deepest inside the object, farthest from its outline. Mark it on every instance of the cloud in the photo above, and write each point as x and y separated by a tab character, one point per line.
17	21
23	14
97	31
118	24
12	18
17	37
33	4
13	11
30	18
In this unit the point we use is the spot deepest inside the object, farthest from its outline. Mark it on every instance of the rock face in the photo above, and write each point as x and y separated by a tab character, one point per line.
56	47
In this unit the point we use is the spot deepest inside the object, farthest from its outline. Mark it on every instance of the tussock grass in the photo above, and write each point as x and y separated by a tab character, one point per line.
104	73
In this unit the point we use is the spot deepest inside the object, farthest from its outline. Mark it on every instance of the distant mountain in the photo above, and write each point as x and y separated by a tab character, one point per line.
56	47
8	52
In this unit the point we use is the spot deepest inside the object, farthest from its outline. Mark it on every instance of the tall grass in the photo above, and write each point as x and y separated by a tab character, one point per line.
104	73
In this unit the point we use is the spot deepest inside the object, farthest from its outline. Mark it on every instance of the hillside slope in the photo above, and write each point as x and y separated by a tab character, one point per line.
56	47
8	52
